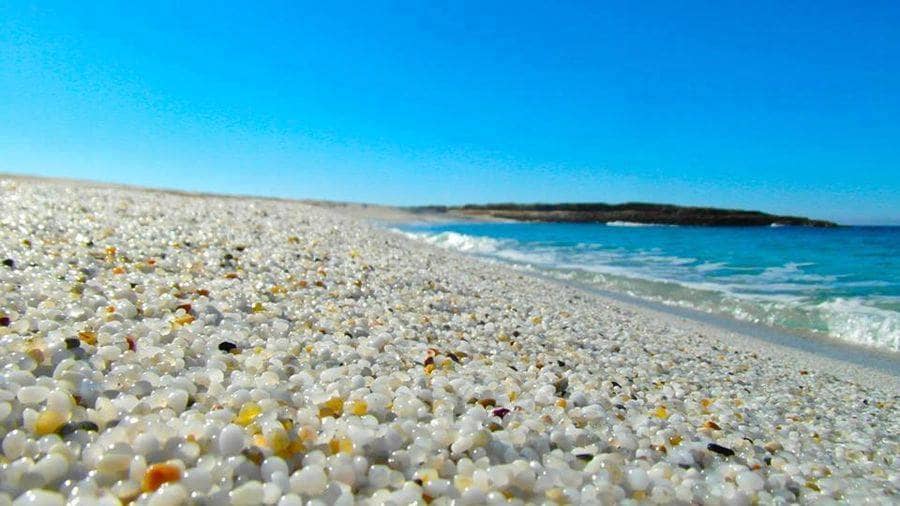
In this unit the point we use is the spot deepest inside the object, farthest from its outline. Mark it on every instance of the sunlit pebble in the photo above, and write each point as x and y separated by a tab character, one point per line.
171	349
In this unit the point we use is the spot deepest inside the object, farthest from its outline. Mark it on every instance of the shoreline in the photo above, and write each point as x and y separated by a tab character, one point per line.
871	366
880	360
160	347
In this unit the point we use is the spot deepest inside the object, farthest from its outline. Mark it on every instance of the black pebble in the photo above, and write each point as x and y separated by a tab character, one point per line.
71	427
5	321
226	346
72	342
9	262
584	456
721	450
67	429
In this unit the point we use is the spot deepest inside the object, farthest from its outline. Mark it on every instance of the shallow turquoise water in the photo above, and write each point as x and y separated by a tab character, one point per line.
844	282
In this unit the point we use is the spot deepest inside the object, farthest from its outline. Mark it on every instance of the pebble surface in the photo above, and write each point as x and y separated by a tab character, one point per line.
166	349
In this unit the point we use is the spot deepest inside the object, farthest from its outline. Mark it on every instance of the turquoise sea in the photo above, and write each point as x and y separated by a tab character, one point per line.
843	283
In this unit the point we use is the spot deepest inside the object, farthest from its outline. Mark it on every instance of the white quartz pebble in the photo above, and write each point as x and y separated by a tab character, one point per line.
32	394
231	440
749	482
309	481
40	497
248	494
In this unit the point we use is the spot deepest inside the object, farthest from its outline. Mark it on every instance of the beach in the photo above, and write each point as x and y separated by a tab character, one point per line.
165	348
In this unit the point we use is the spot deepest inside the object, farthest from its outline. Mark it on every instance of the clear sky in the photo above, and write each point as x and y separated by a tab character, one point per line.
785	108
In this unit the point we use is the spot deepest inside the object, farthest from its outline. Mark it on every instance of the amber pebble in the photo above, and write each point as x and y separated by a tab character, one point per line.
88	337
157	474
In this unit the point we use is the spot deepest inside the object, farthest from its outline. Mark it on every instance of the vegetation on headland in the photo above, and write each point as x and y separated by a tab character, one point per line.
635	212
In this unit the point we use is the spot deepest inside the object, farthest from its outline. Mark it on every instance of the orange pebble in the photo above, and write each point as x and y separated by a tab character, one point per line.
157	474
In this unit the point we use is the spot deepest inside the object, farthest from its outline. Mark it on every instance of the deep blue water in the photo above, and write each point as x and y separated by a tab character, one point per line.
843	282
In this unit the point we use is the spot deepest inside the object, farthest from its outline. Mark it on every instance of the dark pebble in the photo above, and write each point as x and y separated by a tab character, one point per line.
67	429
616	384
453	357
71	427
500	412
9	262
72	342
5	321
562	387
721	450
621	406
253	454
227	346
584	456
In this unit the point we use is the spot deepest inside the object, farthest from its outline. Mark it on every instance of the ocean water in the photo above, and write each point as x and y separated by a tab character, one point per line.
843	283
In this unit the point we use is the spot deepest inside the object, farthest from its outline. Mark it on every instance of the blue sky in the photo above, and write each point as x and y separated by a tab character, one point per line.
789	109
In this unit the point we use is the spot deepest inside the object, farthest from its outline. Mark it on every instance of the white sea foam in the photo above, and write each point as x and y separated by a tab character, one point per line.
853	319
459	242
635	224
